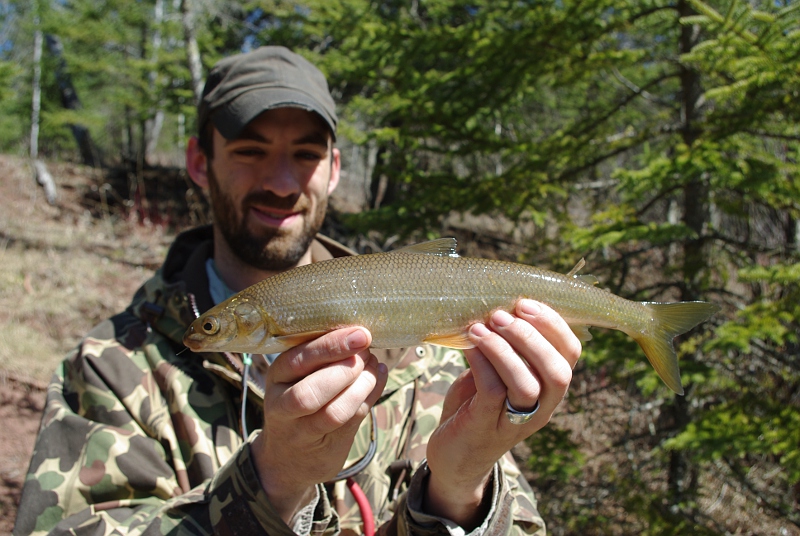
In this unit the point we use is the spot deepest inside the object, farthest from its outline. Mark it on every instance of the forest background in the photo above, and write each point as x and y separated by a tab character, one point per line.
659	139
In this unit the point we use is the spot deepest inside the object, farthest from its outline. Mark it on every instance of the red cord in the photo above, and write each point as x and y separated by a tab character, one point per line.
363	506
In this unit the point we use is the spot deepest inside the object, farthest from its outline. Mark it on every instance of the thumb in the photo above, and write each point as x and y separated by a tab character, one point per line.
463	389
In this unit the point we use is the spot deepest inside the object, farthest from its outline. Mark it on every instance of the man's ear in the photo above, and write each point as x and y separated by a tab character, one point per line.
336	168
196	163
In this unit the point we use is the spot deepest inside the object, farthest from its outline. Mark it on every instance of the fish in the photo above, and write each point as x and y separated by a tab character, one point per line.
427	293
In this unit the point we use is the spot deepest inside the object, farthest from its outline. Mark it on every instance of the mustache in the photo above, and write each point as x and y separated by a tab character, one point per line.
295	202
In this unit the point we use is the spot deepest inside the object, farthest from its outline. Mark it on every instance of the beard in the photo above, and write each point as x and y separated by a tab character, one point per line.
270	249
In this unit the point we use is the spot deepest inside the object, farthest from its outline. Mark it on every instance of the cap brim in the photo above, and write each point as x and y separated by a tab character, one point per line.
231	118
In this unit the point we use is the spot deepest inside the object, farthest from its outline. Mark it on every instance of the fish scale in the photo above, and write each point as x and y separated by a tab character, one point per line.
427	294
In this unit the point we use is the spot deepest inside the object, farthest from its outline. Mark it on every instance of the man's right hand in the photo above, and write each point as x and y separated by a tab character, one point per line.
317	394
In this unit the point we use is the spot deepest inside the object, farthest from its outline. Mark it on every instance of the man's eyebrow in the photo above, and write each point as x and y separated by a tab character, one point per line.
249	135
314	138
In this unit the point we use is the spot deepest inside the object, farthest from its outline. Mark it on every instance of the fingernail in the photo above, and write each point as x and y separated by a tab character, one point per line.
502	319
479	330
357	339
383	370
530	307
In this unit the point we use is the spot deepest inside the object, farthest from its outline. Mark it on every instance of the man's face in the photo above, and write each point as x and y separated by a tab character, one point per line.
269	188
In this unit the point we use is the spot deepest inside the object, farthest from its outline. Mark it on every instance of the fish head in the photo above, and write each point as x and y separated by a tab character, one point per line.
235	325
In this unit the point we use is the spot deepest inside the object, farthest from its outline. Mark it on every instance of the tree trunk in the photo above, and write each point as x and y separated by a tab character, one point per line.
36	103
45	180
192	51
40	172
156	116
130	136
695	216
70	100
695	194
153	127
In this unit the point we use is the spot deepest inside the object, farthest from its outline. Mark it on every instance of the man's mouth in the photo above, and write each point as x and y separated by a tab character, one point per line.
275	217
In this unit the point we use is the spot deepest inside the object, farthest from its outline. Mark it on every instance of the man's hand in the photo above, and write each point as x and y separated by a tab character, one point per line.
527	357
316	396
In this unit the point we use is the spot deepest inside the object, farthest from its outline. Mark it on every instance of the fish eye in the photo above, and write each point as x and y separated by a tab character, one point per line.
210	325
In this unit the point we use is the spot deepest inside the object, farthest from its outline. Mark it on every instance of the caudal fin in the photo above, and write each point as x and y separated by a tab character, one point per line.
671	320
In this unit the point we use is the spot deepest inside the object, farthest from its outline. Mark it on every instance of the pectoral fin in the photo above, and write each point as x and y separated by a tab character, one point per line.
290	341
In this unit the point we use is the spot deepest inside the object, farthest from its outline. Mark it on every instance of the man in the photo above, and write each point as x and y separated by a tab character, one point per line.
140	436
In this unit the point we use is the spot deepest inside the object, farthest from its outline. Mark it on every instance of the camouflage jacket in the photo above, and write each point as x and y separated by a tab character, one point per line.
139	436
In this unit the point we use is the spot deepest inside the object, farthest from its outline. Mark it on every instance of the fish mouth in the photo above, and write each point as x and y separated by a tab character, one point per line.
193	340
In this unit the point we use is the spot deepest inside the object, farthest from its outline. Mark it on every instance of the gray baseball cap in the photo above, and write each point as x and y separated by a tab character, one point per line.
241	87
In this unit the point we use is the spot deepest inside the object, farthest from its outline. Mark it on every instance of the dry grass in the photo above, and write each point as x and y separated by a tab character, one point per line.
62	269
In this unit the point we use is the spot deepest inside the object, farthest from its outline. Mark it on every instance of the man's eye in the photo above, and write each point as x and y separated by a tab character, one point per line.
249	152
308	155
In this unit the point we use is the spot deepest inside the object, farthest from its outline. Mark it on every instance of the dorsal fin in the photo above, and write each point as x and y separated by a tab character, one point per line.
588	279
443	247
577	268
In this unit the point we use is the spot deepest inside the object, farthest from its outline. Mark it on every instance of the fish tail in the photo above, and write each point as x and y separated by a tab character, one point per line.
671	320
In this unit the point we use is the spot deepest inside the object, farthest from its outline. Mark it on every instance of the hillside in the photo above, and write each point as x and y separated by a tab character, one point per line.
63	268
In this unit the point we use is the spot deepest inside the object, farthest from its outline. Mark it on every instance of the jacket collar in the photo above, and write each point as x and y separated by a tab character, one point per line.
171	299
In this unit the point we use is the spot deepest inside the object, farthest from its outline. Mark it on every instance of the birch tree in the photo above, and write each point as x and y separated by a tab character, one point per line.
154	123
41	174
192	51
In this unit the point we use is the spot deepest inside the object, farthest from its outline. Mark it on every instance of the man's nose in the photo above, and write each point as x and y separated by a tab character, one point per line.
280	178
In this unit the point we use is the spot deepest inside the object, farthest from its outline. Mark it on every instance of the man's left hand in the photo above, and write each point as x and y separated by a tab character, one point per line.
528	358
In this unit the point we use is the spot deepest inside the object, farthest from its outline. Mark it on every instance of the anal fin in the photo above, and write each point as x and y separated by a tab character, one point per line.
459	341
581	331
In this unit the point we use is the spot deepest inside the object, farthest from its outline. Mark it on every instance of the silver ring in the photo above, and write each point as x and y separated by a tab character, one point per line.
520	417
